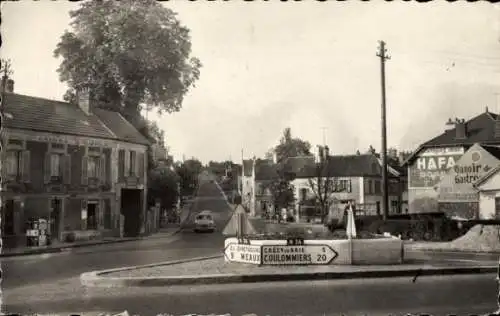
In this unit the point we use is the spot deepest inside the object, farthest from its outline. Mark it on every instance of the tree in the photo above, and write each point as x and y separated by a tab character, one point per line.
188	172
291	147
128	53
163	186
281	188
323	184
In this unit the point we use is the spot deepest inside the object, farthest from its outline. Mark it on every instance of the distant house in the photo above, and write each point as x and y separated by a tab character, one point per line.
79	167
357	179
431	161
256	176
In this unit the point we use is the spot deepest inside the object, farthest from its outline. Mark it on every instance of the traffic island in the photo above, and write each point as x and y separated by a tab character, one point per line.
216	270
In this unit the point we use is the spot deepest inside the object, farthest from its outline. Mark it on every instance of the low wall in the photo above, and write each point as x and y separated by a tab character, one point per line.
377	251
388	250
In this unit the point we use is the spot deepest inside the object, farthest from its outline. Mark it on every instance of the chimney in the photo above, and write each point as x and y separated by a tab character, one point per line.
321	154
83	97
393	153
327	152
460	129
9	86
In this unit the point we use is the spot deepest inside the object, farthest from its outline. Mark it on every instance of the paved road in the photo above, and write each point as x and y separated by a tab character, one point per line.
27	277
459	295
50	283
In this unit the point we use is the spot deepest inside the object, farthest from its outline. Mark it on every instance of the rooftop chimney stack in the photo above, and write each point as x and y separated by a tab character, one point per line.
9	86
83	97
327	152
460	129
321	153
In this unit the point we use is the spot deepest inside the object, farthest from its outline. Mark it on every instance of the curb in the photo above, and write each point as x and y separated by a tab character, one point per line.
452	250
96	243
96	278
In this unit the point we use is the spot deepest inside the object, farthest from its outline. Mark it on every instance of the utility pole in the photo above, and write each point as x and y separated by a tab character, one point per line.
7	71
385	194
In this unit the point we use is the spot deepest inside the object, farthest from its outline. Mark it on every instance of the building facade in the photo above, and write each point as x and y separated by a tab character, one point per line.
81	169
356	179
432	161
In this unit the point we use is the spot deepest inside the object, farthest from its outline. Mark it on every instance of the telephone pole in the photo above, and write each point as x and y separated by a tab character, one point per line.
385	194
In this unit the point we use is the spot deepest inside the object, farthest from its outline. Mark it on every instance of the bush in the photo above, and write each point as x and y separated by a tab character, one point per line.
428	229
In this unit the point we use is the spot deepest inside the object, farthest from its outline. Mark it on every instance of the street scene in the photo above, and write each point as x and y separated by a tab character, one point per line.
181	158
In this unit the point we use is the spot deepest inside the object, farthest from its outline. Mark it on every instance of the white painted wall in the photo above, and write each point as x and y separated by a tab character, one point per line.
487	204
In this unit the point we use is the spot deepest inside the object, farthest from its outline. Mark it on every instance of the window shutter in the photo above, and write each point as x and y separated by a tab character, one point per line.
126	172
46	169
67	168
25	165
102	165
140	167
121	165
85	163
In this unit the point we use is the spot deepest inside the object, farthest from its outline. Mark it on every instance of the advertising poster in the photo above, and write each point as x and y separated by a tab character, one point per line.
424	175
458	183
431	165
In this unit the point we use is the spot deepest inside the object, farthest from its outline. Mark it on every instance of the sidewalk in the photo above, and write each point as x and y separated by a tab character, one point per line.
63	246
214	270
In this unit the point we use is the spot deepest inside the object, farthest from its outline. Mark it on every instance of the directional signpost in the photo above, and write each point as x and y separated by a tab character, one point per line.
243	253
301	254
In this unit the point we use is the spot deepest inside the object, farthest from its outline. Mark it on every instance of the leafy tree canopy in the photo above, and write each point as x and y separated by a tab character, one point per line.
163	186
128	53
291	147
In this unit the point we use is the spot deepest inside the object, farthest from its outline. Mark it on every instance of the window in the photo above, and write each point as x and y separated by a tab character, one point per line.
13	164
303	194
93	167
377	187
345	185
133	162
55	165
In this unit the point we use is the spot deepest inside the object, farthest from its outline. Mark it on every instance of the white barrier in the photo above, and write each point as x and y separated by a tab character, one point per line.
384	250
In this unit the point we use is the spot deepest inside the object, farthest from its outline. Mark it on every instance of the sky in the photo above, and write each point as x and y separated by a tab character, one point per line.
310	66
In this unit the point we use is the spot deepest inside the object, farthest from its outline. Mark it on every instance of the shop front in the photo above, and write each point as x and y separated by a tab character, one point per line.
457	195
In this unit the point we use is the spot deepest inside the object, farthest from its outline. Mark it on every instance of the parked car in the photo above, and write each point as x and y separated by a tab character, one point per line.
204	222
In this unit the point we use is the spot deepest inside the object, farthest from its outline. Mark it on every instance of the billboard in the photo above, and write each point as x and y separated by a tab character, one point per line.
457	184
431	165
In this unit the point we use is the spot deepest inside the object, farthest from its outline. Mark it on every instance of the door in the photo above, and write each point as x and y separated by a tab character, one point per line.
8	220
55	218
92	216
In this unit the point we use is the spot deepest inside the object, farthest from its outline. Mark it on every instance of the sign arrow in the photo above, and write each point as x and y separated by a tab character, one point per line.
306	254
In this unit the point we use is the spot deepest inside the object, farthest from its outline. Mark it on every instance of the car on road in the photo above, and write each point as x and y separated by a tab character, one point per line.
204	222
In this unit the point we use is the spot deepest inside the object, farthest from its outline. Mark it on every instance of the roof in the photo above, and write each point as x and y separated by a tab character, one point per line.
364	165
122	128
480	129
299	164
44	115
265	170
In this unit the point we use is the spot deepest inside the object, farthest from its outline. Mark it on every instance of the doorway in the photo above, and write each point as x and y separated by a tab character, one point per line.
92	215
55	218
8	220
131	209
